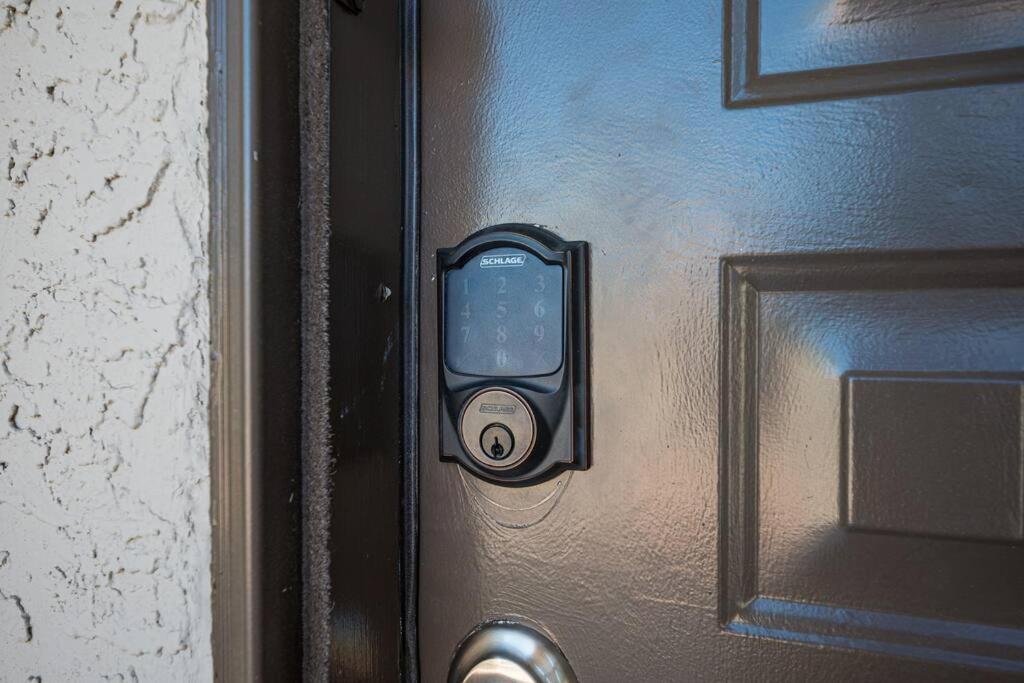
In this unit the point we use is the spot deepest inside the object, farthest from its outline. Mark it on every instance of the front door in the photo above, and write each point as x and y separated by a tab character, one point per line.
806	223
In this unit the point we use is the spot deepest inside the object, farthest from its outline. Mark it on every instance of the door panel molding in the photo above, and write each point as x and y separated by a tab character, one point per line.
747	85
939	640
797	331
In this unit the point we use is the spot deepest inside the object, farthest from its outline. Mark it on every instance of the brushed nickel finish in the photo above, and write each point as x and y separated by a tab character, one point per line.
490	410
508	652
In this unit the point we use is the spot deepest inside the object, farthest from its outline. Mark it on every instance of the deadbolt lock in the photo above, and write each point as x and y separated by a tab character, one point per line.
514	367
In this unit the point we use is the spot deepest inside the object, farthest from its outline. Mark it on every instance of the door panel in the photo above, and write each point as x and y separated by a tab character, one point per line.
873	452
806	324
791	50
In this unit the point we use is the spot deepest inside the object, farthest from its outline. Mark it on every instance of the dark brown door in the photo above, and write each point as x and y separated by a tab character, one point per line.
807	304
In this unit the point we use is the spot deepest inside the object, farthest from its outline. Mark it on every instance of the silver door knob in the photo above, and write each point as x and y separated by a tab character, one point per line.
507	652
498	670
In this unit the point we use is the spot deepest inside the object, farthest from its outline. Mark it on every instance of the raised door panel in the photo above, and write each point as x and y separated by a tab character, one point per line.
781	51
872	453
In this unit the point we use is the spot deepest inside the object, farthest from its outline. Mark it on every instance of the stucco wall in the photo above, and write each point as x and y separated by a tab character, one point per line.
104	463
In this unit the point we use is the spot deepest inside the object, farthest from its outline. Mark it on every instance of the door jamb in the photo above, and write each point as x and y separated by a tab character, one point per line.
254	276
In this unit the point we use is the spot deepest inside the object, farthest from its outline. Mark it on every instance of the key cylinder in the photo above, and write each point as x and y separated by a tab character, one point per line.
498	428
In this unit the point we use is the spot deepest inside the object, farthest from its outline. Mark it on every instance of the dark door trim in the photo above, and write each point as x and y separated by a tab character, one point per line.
747	86
315	518
373	348
410	334
255	323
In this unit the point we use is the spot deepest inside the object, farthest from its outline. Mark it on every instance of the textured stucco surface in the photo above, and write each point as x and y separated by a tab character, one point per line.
104	462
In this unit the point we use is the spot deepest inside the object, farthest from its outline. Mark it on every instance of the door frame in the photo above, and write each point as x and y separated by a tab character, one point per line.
278	495
255	417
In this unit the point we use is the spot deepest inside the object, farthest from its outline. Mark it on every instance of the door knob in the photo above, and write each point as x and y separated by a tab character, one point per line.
508	652
498	670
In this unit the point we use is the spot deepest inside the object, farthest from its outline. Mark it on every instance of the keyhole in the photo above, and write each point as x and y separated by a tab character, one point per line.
497	442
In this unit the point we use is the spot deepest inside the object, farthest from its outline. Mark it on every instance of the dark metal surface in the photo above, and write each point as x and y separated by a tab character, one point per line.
255	400
706	543
366	337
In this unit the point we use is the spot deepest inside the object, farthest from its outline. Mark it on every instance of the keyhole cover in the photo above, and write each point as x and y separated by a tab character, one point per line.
497	428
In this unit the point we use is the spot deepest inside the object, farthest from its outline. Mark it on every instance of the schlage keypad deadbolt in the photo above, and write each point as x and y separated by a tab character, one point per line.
514	373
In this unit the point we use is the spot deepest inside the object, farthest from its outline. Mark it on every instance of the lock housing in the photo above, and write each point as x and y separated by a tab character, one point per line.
514	354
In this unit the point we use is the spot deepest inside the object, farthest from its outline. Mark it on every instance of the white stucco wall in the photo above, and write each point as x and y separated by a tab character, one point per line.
104	463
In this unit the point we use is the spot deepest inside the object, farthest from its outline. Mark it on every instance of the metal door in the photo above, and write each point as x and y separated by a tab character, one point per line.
807	333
